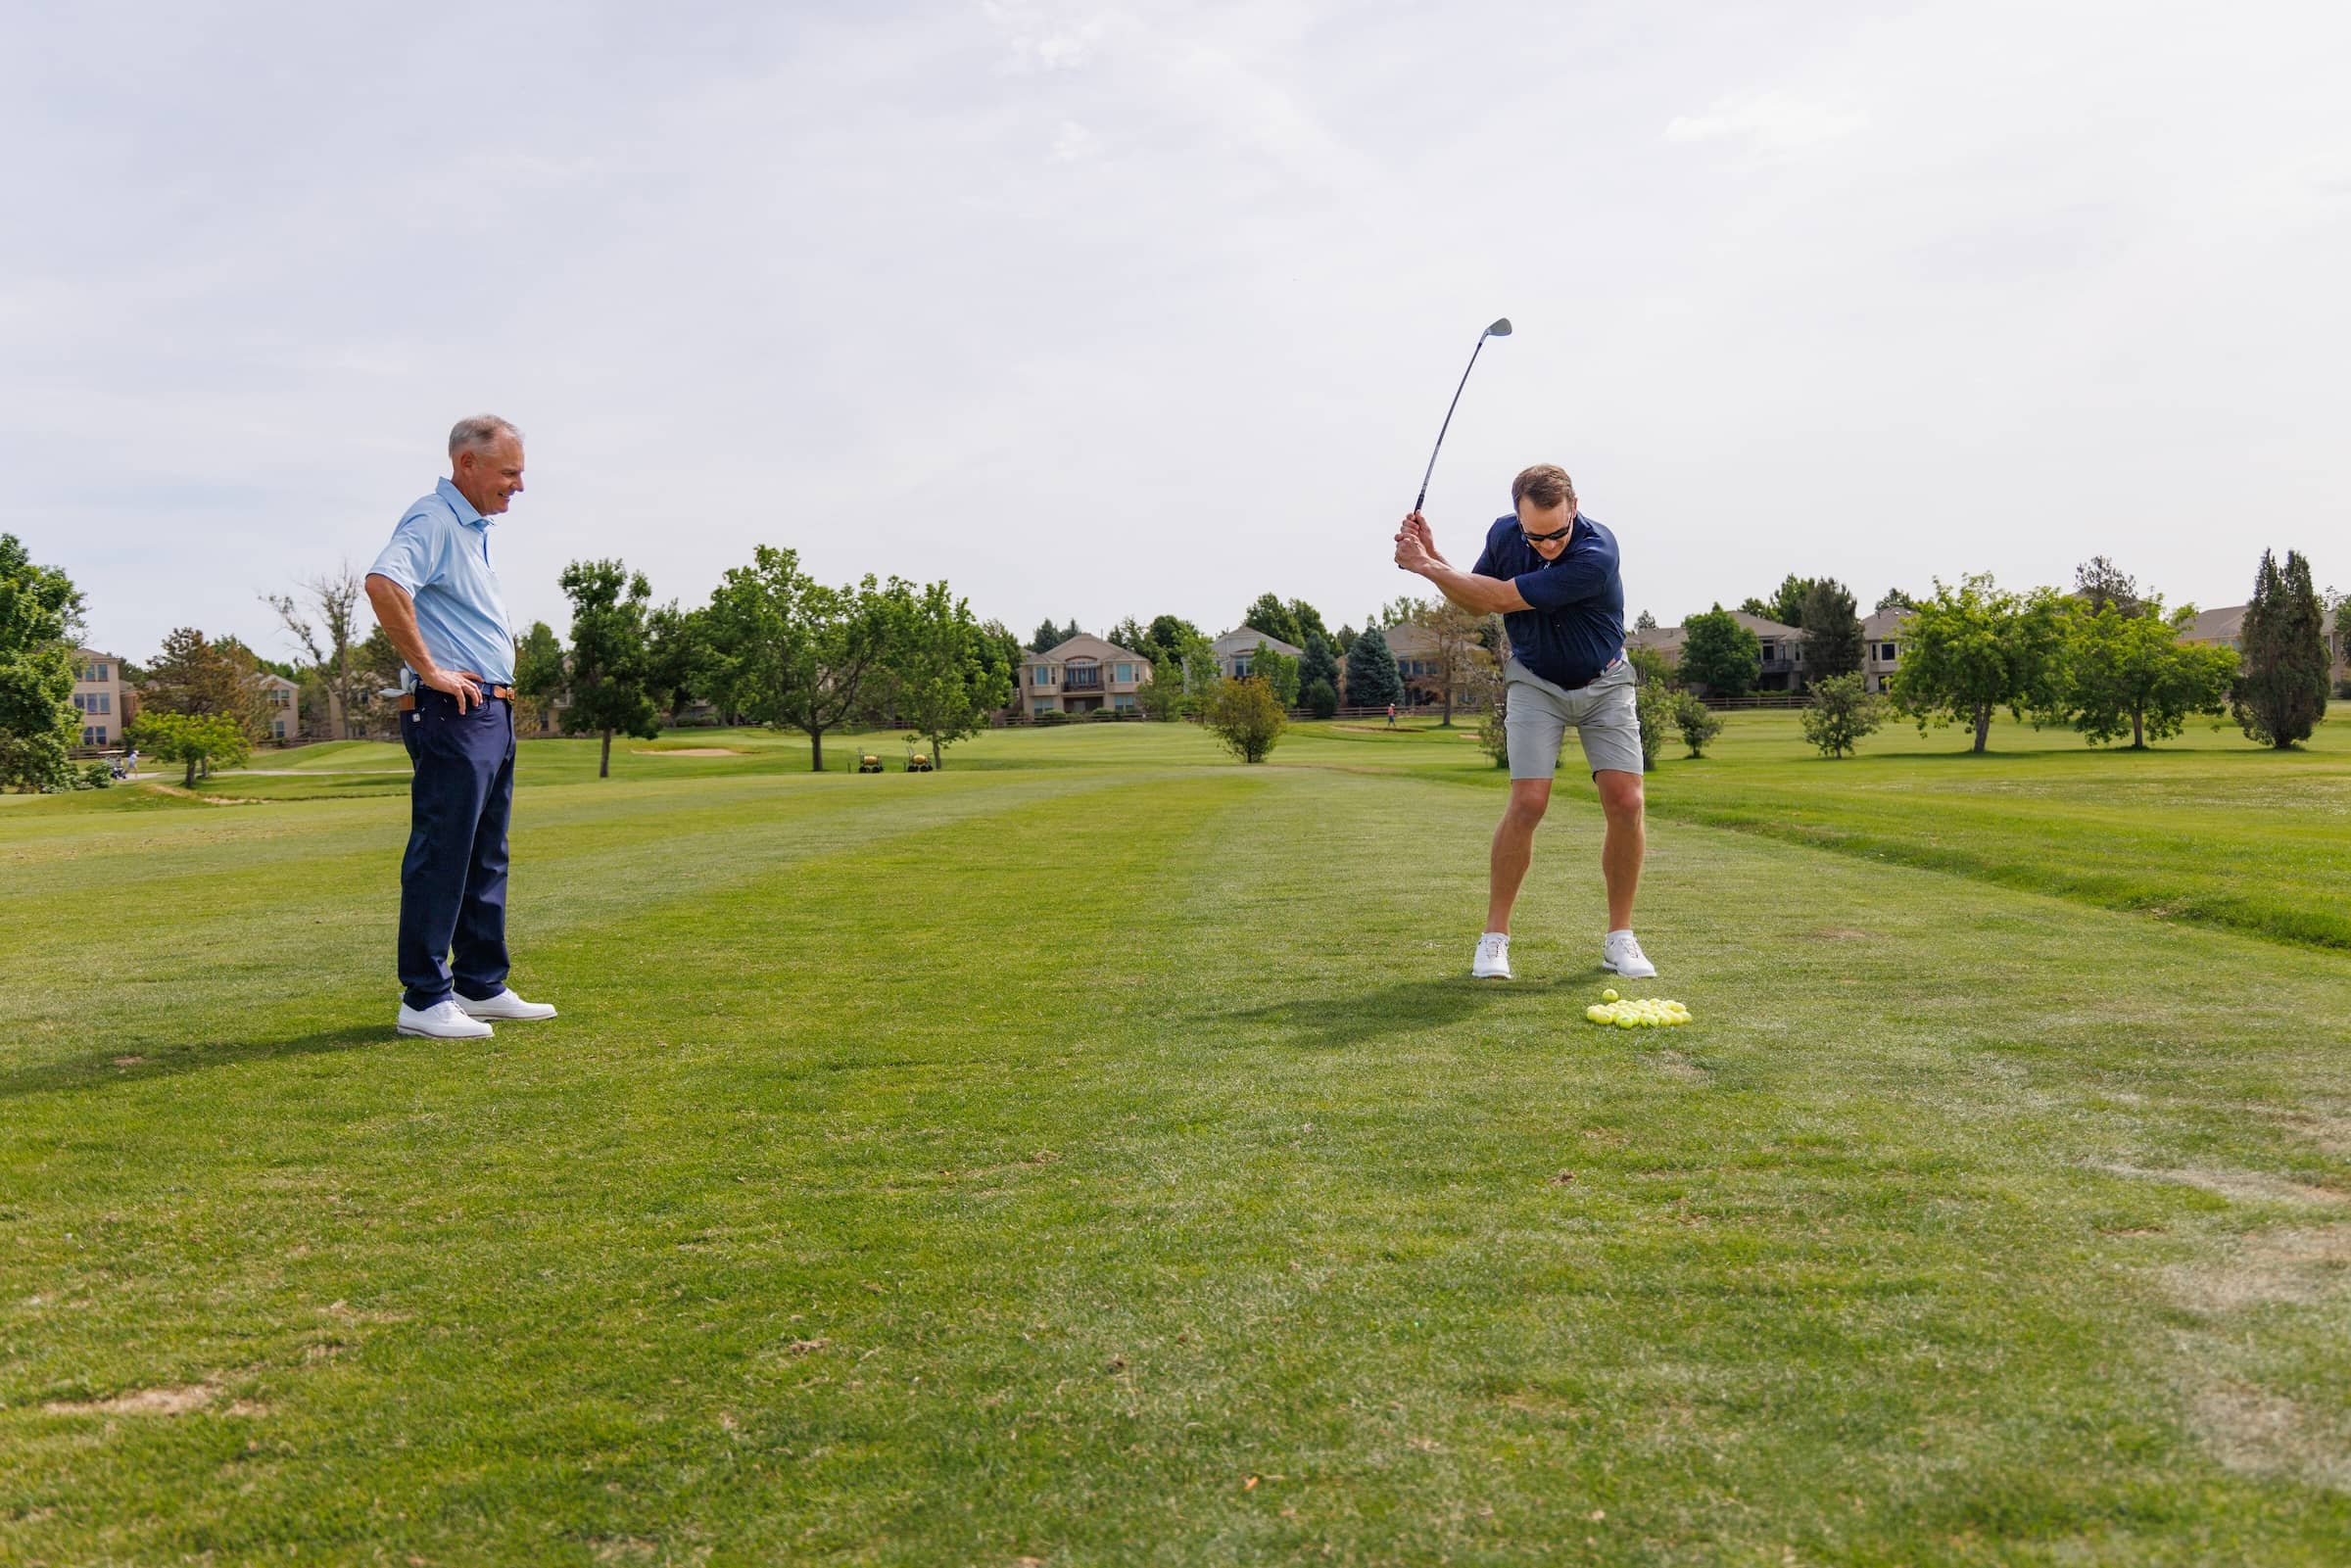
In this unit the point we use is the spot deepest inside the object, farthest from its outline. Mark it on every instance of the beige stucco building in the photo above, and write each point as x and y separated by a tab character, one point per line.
105	700
1083	674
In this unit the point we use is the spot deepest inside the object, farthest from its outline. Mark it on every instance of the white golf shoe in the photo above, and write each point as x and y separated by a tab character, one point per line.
442	1021
504	1004
1493	961
1620	951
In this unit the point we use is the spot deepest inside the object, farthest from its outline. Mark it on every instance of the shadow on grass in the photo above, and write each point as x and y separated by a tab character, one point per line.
1334	1022
129	1064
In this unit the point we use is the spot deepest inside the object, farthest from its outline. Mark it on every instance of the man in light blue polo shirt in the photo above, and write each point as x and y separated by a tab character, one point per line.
437	598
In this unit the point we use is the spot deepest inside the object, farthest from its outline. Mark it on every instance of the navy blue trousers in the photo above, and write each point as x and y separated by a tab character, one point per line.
452	880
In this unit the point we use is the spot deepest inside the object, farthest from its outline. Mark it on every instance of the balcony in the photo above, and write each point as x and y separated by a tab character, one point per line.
1083	678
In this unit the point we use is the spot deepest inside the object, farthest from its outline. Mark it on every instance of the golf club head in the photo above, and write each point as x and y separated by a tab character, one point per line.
1500	329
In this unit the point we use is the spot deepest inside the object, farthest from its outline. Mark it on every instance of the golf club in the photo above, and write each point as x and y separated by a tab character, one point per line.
1500	329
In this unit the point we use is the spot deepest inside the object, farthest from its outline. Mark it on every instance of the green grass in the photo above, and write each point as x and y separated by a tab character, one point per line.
1020	1161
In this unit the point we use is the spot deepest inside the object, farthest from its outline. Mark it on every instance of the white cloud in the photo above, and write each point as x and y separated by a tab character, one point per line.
1771	125
1072	143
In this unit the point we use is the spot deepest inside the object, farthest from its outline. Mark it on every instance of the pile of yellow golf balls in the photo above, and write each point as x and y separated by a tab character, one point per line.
1645	1013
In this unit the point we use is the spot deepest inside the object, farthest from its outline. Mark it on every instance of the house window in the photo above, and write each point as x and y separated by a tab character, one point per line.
1125	672
1044	676
1122	702
93	671
1044	704
93	735
278	729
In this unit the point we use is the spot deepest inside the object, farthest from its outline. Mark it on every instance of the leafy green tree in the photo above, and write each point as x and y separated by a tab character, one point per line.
1832	631
1720	655
1321	698
1278	670
608	675
1786	605
1893	599
1309	622
1698	724
1371	678
39	612
2281	695
199	741
1976	649
1651	665
538	674
1270	615
2126	670
1840	713
1246	715
678	656
797	654
1342	641
947	673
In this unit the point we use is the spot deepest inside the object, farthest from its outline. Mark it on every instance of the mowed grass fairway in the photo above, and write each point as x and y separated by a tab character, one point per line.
1096	1154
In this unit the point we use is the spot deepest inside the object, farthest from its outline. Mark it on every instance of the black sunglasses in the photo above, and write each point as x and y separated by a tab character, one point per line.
1545	538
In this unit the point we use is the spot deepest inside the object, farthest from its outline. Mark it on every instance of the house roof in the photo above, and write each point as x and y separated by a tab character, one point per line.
1763	628
1884	623
2223	625
1665	640
1084	645
1241	638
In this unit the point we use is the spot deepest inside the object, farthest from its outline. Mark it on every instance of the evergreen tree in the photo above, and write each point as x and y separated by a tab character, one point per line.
1319	664
1832	631
1893	599
2098	583
2281	695
1371	678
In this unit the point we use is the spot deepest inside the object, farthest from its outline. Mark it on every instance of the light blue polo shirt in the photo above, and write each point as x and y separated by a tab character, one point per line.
440	555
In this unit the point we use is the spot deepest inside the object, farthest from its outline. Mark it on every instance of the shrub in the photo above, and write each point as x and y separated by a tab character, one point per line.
1840	714
1698	722
1053	716
1654	706
1246	716
96	775
1322	700
1492	736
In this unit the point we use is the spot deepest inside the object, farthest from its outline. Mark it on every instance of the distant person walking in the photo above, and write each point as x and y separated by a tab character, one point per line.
1551	574
1391	715
436	596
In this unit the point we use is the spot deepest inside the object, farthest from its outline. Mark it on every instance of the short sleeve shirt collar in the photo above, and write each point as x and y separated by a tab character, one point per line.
460	506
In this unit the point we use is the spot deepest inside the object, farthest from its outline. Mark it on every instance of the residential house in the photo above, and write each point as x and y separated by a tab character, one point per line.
1235	648
1881	647
1082	675
281	706
105	702
1417	663
2225	628
1783	647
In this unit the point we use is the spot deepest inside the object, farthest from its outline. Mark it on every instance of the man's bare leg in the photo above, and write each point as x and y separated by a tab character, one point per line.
1514	847
1620	852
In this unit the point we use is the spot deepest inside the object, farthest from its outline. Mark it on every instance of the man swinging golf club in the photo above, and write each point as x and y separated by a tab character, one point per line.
1551	572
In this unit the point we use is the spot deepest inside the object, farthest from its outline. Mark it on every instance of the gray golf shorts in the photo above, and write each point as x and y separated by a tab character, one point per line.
1539	713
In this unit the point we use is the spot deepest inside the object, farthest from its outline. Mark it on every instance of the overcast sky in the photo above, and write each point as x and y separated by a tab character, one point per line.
1152	308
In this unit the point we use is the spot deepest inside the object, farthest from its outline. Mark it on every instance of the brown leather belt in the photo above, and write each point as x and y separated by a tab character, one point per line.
505	694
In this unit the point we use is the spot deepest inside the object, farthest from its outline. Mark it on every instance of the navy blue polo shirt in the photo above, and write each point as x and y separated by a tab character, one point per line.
1575	626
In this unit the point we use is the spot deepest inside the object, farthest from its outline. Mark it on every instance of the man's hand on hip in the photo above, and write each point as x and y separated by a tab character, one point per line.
464	684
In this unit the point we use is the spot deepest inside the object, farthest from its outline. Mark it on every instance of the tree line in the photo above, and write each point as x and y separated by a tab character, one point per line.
2105	659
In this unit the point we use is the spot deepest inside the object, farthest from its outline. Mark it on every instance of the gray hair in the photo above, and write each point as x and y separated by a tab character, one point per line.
479	431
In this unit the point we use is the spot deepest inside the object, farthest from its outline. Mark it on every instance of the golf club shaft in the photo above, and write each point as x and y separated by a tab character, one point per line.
1447	425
